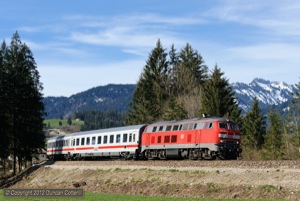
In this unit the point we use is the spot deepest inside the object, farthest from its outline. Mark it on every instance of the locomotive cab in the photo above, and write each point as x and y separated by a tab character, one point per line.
229	140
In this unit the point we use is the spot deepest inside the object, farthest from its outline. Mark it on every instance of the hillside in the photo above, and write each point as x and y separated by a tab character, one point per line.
117	97
103	98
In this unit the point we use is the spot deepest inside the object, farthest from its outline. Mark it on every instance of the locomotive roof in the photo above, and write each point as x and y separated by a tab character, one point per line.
192	120
106	130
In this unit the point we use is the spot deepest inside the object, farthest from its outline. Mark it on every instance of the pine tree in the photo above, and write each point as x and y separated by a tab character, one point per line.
190	71
218	97
254	127
69	121
4	124
292	126
152	89
25	109
188	76
174	111
273	140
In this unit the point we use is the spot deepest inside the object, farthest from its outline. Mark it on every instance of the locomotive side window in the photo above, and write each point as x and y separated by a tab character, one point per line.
175	127
93	140
125	137
209	125
99	139
159	139
168	128
185	126
174	138
199	126
105	139
82	141
223	125
77	142
111	139
161	128
191	127
88	141
154	129
167	139
118	139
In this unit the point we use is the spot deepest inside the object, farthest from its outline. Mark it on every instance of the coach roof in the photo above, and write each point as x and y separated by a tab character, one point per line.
99	131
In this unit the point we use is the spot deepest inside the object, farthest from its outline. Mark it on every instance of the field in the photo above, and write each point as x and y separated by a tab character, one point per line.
116	197
54	123
204	180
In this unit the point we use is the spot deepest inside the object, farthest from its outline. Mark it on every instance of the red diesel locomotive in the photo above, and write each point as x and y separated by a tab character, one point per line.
204	138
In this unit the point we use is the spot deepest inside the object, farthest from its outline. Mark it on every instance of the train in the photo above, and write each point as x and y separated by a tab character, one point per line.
198	138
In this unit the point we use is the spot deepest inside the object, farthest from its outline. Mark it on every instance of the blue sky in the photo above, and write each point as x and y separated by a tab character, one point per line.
78	45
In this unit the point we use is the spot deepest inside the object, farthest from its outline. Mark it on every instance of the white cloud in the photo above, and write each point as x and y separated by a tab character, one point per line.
270	51
275	17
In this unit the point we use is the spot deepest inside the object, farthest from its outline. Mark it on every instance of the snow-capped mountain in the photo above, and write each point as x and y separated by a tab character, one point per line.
117	97
267	92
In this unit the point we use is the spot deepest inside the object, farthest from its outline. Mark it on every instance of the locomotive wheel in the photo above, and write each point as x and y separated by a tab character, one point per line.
162	155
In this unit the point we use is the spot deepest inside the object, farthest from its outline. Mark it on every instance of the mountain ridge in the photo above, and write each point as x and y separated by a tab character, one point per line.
118	96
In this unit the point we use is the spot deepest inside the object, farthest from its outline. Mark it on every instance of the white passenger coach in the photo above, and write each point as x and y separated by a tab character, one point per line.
112	142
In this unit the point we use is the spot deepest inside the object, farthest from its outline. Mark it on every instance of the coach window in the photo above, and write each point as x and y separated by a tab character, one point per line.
159	139
73	142
99	140
88	141
93	140
125	137
111	139
133	137
167	139
77	141
130	137
82	141
105	139
168	128
118	139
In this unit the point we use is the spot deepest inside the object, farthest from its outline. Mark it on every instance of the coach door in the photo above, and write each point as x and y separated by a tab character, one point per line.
94	144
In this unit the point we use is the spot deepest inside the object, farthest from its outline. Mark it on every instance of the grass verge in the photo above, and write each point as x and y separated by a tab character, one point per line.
111	197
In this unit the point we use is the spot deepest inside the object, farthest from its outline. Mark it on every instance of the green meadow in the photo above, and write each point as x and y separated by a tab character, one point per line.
54	123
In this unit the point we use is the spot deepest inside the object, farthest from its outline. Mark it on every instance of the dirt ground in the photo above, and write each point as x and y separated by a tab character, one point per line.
210	179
